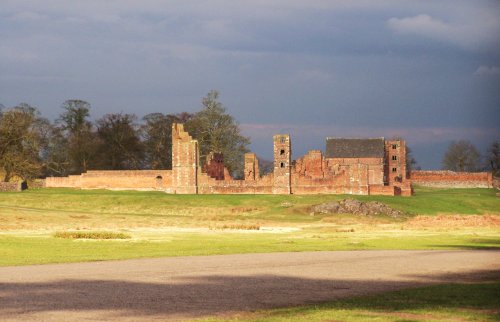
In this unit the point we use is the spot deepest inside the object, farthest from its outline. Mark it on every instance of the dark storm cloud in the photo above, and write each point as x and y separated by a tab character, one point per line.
366	67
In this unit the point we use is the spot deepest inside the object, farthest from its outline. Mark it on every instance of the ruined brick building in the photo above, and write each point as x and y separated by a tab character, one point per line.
349	166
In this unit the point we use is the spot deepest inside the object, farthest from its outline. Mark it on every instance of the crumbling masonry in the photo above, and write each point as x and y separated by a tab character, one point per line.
349	166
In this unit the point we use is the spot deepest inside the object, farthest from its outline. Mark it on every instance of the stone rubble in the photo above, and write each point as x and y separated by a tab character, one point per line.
356	207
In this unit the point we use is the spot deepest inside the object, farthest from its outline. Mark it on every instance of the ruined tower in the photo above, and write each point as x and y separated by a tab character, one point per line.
395	160
282	164
185	161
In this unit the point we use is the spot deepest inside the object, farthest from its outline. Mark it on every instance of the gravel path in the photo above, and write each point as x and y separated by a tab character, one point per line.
189	287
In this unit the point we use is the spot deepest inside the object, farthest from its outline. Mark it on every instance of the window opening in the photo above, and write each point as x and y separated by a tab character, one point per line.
394	169
282	152
394	146
282	164
394	157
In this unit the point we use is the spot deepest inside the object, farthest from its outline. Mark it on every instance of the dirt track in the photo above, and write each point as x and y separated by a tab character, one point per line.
189	287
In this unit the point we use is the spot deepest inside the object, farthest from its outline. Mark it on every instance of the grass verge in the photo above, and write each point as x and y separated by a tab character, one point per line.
44	248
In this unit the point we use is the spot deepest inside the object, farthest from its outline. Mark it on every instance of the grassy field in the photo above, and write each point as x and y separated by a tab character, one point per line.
157	224
451	302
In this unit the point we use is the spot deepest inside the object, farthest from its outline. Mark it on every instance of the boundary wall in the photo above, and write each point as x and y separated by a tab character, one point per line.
451	179
115	179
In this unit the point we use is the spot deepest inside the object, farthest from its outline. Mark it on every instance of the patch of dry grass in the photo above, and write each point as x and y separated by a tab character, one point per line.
453	221
236	226
90	235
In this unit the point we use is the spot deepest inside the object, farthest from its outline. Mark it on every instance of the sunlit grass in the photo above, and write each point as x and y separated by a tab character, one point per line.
182	225
451	302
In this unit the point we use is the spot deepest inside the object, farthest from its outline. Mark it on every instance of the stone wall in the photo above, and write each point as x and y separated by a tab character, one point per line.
450	179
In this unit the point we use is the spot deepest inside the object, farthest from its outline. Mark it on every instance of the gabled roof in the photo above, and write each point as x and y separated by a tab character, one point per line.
354	148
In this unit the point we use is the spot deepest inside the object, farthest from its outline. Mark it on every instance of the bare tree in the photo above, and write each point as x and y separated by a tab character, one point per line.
120	146
157	134
461	156
493	158
79	134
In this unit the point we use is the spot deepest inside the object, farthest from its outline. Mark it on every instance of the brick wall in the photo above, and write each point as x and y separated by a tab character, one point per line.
207	185
36	184
450	179
374	166
313	174
115	179
10	186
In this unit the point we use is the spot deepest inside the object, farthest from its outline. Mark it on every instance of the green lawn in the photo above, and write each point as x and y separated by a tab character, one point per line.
451	302
159	224
42	249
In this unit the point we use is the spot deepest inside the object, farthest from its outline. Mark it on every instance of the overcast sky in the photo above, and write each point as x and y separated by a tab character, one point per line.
428	71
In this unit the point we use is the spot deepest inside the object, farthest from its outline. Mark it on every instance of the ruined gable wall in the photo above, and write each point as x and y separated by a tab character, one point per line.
450	179
185	161
311	165
214	167
251	167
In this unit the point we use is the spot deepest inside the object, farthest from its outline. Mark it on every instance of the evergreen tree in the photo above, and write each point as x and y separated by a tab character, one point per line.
218	131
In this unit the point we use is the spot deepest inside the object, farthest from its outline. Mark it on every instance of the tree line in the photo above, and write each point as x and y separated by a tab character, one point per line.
31	146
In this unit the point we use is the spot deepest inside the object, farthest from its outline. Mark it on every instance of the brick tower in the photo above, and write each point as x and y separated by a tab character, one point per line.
282	164
185	161
395	156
